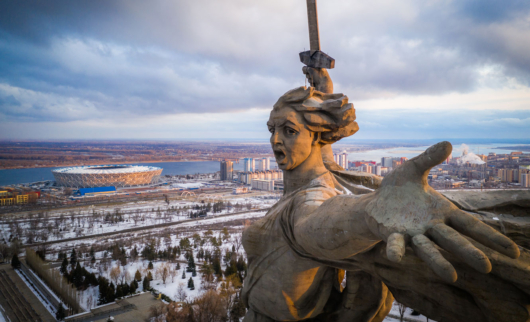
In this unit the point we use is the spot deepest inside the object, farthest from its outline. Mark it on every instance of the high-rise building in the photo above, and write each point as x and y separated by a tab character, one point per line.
266	164
248	165
366	168
226	170
525	180
502	174
263	164
507	175
376	170
386	162
341	159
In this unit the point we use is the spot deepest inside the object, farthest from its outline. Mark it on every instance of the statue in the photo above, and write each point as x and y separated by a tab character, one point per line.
456	268
323	253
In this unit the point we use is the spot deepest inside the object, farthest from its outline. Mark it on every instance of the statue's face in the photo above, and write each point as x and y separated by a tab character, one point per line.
291	141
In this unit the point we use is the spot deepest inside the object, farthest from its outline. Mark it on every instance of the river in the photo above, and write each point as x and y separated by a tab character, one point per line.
16	176
376	155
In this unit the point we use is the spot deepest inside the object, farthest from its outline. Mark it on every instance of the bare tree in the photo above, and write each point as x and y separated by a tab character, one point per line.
237	241
115	274
173	272
181	295
163	272
402	309
125	276
157	313
136	216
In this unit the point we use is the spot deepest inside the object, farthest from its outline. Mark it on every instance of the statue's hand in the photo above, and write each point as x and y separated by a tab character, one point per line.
406	210
319	79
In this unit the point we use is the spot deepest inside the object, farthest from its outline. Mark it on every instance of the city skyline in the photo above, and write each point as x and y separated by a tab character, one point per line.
203	69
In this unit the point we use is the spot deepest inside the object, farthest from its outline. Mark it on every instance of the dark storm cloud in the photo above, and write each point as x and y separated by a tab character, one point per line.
76	60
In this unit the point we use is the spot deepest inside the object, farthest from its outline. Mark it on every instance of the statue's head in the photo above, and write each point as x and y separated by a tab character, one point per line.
304	119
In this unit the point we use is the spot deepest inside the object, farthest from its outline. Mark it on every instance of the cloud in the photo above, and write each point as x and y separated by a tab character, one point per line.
250	124
69	61
441	124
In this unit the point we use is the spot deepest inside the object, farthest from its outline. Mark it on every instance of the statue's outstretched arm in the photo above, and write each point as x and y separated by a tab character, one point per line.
403	211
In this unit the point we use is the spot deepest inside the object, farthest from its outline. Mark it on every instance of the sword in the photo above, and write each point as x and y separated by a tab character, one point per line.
315	57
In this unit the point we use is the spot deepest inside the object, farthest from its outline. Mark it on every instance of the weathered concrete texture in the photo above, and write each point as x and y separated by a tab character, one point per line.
508	211
398	238
514	202
365	179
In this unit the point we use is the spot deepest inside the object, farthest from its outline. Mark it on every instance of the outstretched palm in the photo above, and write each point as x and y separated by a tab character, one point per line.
406	210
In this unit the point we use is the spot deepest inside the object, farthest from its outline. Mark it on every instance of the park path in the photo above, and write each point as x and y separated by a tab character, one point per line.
128	230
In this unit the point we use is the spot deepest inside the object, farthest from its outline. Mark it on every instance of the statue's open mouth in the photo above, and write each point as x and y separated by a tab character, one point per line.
279	155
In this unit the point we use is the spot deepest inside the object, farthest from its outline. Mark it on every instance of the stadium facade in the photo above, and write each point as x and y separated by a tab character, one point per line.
107	175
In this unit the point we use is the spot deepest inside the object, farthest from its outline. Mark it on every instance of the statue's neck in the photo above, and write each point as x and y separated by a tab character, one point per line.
313	167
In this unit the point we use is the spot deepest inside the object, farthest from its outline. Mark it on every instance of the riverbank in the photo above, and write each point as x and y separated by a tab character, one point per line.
19	176
83	164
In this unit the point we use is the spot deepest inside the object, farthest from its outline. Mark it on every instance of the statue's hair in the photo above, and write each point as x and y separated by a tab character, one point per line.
329	114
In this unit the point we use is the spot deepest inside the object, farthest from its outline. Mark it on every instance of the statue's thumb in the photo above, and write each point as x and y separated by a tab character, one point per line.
433	156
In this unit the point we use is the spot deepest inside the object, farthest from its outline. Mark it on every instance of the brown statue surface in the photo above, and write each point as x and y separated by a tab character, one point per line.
398	238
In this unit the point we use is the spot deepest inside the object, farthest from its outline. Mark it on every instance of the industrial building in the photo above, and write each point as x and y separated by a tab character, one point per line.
107	176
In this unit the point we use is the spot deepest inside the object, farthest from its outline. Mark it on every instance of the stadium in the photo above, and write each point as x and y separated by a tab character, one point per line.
107	175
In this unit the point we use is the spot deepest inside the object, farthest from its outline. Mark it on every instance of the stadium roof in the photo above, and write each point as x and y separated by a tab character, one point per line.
106	169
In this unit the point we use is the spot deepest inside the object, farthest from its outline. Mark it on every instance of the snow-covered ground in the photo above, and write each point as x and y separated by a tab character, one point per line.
395	312
2	312
63	224
83	222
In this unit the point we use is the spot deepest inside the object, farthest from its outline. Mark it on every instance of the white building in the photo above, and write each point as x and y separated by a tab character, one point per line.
341	159
525	180
248	165
248	177
263	164
264	185
366	168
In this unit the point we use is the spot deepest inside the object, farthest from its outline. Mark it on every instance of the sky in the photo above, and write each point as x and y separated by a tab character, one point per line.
202	69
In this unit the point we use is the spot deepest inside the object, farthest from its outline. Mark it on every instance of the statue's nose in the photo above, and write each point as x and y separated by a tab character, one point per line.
275	138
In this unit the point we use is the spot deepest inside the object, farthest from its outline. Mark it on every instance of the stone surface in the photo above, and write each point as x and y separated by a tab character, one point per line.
397	238
514	202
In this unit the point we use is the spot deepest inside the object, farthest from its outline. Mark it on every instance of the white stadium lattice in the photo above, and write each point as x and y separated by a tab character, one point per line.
107	175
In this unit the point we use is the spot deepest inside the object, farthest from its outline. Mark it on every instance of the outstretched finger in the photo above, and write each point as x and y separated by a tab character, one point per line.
451	240
433	156
395	247
484	234
426	250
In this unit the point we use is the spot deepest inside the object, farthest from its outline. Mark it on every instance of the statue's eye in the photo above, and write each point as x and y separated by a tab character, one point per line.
271	129
290	131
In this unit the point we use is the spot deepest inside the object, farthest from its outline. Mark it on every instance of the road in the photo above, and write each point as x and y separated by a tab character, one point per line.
142	228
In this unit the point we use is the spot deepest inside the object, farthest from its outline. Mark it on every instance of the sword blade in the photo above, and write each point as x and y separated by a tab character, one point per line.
312	17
